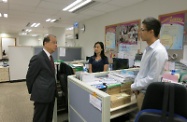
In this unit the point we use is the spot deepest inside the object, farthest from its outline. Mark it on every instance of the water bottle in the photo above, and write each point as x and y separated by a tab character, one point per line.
172	72
110	67
85	69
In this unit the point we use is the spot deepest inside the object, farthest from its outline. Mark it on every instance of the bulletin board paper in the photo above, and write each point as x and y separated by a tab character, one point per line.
172	31
125	33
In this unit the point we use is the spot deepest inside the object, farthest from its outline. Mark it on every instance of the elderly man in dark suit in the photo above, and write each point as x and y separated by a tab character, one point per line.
41	82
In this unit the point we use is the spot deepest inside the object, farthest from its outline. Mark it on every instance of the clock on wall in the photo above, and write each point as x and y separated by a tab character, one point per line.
82	28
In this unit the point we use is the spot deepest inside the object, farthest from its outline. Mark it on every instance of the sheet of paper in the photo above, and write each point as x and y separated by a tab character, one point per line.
62	51
185	53
96	102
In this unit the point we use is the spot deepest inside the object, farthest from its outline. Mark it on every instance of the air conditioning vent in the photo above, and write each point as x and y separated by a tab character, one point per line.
28	24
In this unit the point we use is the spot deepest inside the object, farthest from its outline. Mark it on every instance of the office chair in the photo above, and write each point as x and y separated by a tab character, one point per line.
87	58
164	102
63	73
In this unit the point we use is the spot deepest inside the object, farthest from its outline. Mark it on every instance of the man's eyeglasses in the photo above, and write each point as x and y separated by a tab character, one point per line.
53	42
142	29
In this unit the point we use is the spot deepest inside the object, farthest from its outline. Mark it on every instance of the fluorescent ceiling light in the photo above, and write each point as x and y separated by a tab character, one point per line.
50	20
70	28
34	35
33	24
71	5
37	25
53	20
47	20
24	33
4	1
6	15
80	5
28	30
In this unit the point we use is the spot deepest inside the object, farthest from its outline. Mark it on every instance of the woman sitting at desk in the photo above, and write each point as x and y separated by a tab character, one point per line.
98	62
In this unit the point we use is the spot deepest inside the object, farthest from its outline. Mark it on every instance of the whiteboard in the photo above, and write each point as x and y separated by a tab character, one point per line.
19	58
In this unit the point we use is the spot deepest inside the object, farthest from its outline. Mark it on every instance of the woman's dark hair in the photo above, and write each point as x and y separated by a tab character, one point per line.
102	47
152	24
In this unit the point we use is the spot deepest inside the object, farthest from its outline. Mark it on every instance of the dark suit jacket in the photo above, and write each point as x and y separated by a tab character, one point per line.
40	79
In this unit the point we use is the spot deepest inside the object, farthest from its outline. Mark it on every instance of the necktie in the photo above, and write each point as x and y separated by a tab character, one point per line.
52	62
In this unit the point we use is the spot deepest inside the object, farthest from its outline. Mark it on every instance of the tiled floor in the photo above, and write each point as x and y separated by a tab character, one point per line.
15	105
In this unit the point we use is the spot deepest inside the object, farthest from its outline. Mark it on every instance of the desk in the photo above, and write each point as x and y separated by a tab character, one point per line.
80	108
4	74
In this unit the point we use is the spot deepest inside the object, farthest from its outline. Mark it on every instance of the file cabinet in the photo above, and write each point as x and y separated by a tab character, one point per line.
4	74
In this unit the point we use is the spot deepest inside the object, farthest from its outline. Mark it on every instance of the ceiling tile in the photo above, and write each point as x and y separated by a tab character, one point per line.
13	7
24	2
124	2
46	11
23	11
3	6
50	5
103	1
106	7
92	13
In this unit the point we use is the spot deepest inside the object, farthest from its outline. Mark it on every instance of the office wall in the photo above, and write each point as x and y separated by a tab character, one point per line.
29	41
59	33
95	27
3	35
38	40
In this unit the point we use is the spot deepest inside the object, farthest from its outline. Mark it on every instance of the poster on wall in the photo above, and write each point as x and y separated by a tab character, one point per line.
122	33
127	33
110	37
172	30
127	50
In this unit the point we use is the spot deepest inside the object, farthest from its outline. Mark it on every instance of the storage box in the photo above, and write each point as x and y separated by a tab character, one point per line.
113	89
128	91
119	99
126	86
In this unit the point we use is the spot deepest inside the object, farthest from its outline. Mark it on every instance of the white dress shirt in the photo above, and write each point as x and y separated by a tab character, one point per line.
48	54
152	65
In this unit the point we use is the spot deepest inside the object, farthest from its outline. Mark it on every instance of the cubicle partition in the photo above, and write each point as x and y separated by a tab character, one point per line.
69	53
19	57
87	104
38	49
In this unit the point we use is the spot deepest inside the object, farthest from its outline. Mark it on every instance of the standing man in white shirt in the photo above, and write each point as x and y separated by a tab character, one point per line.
153	59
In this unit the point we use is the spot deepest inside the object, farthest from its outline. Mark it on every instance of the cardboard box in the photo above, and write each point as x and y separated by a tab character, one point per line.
113	89
128	91
126	86
119	99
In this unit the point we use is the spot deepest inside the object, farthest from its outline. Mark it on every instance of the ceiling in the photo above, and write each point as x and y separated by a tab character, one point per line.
21	12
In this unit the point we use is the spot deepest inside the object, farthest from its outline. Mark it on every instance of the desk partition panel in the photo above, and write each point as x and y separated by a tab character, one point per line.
80	108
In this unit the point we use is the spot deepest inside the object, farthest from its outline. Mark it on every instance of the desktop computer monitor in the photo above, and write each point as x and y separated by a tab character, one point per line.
119	63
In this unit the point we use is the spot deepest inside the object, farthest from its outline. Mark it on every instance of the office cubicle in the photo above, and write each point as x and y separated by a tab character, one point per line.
63	53
87	104
19	57
81	108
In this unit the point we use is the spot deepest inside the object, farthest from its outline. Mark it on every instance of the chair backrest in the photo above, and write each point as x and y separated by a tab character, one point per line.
63	72
87	58
154	98
65	69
